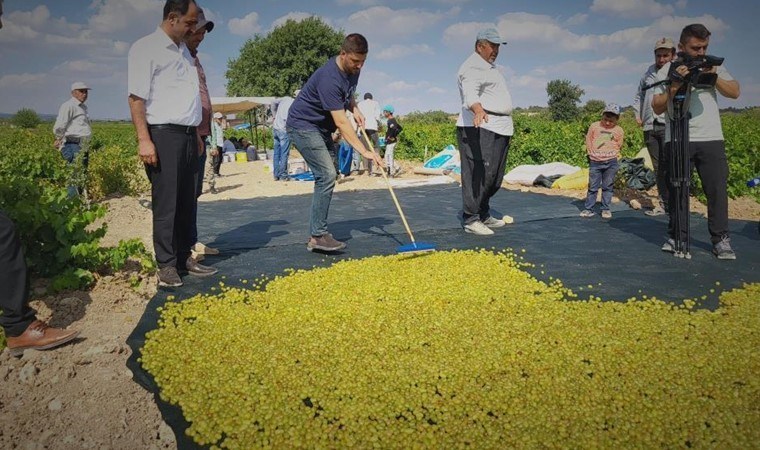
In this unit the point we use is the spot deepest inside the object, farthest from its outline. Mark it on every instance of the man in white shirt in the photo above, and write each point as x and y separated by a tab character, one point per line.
281	141
654	124
370	108
165	103
72	128
484	130
706	147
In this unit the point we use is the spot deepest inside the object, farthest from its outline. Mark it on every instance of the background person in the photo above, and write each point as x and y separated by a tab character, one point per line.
204	129
391	138
707	149
23	331
604	140
217	146
314	115
654	124
370	108
165	104
72	128
484	130
281	141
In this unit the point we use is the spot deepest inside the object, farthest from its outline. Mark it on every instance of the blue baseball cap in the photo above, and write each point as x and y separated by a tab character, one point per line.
388	108
491	35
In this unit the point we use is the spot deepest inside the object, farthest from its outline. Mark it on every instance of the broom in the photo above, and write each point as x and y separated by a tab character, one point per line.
414	247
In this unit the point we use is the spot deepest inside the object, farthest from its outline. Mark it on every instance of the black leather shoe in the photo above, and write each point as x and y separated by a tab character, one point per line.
199	270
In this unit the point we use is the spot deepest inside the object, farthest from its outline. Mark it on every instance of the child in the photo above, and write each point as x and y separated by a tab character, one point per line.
391	137
603	143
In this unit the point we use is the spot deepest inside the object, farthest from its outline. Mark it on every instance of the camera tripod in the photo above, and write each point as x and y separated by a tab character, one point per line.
679	168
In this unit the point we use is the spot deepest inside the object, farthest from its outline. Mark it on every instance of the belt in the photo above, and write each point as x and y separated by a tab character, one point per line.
185	129
658	123
491	113
72	140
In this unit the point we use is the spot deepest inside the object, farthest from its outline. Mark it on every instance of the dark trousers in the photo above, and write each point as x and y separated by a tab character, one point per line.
216	161
173	195
709	158
14	282
372	135
198	192
655	142
483	155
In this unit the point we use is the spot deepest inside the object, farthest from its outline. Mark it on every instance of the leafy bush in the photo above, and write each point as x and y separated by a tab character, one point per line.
115	170
26	118
56	230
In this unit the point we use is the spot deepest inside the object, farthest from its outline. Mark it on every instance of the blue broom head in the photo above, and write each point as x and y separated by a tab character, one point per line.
416	247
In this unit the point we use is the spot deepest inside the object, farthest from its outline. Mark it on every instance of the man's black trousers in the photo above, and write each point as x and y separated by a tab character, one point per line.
483	155
173	183
709	158
14	282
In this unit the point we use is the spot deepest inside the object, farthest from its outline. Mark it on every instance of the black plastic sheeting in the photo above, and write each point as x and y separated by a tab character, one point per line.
265	236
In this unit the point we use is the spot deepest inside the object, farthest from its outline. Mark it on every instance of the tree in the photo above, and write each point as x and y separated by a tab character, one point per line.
279	63
594	107
563	99
26	118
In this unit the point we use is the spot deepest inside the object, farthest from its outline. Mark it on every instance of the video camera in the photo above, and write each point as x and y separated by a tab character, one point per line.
696	64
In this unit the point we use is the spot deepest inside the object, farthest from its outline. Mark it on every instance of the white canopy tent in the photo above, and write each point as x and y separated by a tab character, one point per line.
234	105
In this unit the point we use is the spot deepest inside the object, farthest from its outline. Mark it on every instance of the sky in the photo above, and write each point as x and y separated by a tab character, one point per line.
416	46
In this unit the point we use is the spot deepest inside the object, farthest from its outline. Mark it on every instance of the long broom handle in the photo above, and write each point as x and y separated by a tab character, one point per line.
390	188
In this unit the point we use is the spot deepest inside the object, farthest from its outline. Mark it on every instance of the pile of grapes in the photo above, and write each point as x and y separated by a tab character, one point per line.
456	349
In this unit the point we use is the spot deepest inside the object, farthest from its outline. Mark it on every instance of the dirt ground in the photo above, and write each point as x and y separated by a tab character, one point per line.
82	395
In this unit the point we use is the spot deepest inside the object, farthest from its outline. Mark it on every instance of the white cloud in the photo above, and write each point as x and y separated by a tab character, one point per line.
463	34
631	8
398	51
22	79
436	90
525	31
120	18
577	19
357	2
381	22
681	4
247	26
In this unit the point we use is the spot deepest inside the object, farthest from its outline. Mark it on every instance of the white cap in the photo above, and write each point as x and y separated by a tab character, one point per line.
79	85
218	115
612	108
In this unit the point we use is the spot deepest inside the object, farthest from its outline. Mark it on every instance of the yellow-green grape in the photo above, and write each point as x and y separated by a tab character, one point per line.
453	350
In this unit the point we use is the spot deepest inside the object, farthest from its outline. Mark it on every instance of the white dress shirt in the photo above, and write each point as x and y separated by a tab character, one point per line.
481	82
72	121
165	76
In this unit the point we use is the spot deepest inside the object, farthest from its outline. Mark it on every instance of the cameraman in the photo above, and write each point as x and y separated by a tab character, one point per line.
707	151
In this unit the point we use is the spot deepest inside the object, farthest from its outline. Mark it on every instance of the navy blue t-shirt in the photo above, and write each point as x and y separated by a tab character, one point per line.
328	89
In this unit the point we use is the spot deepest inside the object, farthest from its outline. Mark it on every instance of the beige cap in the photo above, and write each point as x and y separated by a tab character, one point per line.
664	43
218	115
77	85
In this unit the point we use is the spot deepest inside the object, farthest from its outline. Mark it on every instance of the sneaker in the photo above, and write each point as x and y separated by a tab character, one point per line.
657	211
723	249
196	269
198	257
493	222
325	243
587	213
39	336
669	246
168	277
606	214
478	228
